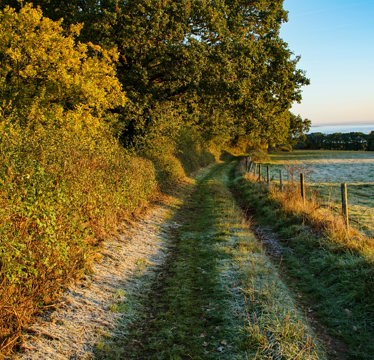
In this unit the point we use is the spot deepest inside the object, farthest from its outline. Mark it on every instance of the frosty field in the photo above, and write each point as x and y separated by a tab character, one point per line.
325	171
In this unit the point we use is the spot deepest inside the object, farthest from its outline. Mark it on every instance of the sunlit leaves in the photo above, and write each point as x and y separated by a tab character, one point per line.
42	65
220	66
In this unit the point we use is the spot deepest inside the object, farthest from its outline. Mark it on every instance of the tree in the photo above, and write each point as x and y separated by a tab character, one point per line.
220	67
298	128
44	70
371	141
252	69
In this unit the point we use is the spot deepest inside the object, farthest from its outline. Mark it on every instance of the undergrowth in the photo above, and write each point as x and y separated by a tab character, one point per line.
62	192
332	267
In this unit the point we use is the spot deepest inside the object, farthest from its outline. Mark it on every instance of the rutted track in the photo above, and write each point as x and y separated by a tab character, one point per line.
190	281
217	295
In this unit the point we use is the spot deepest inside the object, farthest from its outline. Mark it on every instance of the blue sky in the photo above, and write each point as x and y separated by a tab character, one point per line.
335	39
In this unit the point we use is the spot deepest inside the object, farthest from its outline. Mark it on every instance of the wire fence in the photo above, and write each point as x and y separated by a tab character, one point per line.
353	201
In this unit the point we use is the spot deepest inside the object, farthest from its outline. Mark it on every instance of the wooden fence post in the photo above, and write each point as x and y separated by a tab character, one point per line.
280	181
302	187
344	190
259	172
268	175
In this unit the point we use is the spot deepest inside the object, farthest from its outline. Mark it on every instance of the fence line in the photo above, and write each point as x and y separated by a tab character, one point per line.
252	166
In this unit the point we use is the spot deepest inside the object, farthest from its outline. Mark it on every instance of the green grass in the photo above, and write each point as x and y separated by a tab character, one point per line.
325	171
217	296
335	281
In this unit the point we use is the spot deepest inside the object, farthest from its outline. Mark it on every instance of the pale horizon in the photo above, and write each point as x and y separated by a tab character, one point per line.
341	128
343	123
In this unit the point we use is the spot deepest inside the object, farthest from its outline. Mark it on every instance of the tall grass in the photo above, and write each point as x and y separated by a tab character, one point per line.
326	170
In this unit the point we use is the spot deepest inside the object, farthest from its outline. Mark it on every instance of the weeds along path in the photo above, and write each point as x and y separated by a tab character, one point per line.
88	311
333	282
216	295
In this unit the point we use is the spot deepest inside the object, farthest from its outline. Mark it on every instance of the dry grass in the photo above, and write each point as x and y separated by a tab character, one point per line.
321	218
324	172
329	265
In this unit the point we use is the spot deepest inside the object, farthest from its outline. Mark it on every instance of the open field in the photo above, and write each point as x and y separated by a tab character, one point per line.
325	171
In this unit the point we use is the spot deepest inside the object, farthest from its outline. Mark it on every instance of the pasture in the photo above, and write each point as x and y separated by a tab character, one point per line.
325	171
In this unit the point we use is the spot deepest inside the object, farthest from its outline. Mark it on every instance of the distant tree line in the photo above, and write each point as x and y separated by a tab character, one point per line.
337	141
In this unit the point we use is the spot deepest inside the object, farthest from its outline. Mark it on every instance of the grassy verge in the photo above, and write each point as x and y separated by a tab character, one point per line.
334	273
217	296
324	172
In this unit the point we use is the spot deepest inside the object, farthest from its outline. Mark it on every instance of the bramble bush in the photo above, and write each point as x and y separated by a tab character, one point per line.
61	192
65	181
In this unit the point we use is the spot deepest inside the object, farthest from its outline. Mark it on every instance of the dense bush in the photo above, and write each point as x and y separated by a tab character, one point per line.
61	192
65	182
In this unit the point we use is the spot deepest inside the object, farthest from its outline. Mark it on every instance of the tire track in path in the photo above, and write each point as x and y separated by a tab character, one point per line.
87	311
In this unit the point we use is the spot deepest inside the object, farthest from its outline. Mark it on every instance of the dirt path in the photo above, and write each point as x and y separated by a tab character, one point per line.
190	281
217	295
87	311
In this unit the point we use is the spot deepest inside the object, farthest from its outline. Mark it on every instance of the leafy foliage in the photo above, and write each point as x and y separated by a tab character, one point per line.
44	68
197	75
371	141
221	66
65	181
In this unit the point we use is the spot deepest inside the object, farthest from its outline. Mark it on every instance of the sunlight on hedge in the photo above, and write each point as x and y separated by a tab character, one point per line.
65	182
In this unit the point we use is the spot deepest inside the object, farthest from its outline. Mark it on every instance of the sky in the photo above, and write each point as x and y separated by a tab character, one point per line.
335	39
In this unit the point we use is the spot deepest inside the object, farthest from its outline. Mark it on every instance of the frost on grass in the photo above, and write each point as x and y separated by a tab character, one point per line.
88	311
261	304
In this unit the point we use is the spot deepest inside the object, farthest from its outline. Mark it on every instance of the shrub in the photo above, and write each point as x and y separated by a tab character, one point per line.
161	150
61	193
65	182
193	151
